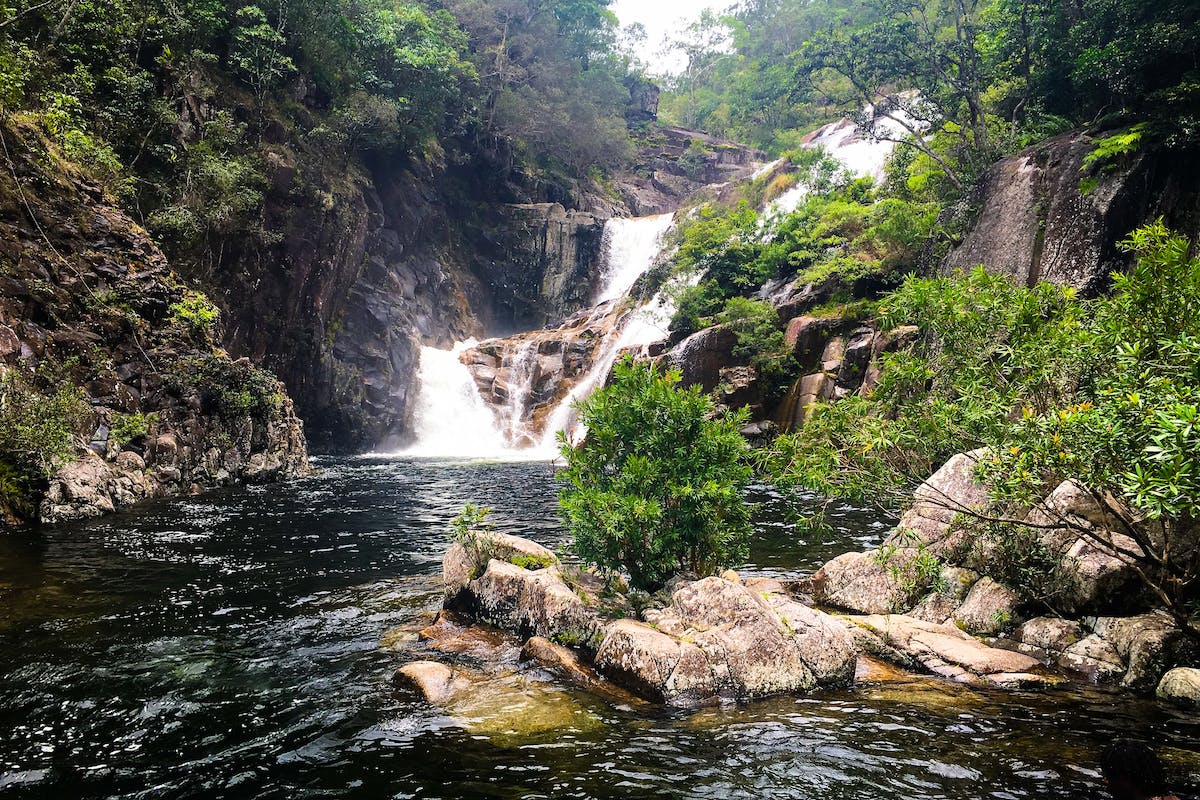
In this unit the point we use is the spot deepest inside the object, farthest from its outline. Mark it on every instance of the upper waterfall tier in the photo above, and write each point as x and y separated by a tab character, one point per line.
631	245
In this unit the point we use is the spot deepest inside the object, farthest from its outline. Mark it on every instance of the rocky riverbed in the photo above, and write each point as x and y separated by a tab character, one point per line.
721	638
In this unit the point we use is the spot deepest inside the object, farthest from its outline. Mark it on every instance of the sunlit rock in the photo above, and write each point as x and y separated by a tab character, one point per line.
718	640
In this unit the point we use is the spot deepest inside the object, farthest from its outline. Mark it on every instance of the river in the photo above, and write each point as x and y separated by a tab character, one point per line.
228	646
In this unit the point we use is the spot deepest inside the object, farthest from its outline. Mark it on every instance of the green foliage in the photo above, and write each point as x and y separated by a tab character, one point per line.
841	241
986	346
760	342
656	489
127	428
1105	392
914	575
231	388
196	313
991	76
257	50
472	530
1109	151
220	193
39	431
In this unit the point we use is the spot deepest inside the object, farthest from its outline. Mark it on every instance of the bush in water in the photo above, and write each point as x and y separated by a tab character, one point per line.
656	489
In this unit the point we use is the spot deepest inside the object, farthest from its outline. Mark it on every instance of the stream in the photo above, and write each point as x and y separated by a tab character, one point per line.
228	646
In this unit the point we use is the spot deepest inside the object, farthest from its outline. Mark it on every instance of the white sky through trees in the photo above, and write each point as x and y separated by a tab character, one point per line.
661	18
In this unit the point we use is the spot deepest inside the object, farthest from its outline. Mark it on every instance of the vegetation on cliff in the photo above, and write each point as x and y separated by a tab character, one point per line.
992	74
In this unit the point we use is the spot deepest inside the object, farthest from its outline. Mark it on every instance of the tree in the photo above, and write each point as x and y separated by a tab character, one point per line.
656	488
1104	393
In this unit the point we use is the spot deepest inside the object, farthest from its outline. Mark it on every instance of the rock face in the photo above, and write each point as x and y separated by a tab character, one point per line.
87	295
717	639
674	164
523	378
1035	223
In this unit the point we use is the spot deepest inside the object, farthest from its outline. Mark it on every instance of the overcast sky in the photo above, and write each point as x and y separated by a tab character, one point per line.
660	18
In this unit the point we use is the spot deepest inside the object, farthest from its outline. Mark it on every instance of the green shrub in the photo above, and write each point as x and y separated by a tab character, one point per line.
39	432
470	529
656	488
196	313
126	428
1104	392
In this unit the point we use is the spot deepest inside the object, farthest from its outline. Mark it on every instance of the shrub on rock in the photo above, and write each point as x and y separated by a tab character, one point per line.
656	489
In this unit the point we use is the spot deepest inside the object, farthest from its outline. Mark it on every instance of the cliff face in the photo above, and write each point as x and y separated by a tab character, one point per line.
1044	215
91	312
364	269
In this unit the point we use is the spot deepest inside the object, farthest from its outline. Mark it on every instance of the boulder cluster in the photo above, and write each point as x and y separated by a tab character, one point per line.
918	603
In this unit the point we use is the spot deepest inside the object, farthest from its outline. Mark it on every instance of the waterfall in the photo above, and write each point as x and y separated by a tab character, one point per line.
522	363
861	157
632	246
451	419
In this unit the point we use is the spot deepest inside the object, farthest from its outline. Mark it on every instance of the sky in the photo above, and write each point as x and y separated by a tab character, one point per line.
660	18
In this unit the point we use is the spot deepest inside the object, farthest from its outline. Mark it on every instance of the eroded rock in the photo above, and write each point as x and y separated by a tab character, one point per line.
718	640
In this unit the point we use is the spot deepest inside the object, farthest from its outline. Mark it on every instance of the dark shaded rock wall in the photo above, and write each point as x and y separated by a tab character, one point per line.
86	296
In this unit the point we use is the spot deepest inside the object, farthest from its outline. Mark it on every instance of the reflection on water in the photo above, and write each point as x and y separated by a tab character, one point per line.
228	646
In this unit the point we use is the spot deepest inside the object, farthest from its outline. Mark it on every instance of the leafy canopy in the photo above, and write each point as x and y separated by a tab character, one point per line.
656	488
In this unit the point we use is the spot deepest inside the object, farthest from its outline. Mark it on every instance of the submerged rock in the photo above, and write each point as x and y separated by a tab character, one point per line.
436	682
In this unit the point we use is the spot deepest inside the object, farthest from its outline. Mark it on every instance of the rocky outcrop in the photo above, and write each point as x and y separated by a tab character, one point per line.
675	164
946	651
88	300
524	377
932	575
711	639
1042	215
719	640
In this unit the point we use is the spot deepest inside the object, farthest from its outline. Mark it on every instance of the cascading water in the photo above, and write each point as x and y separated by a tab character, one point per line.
523	366
861	156
451	419
633	245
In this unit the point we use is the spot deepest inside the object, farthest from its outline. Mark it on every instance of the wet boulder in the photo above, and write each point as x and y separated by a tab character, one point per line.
719	640
946	651
1181	686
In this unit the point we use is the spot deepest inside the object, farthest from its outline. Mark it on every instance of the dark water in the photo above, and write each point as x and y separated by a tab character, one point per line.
229	646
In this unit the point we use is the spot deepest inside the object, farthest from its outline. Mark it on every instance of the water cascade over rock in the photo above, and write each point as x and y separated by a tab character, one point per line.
531	381
451	420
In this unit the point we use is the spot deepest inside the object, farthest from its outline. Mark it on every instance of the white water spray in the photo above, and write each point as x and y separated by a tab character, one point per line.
861	156
631	245
451	419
